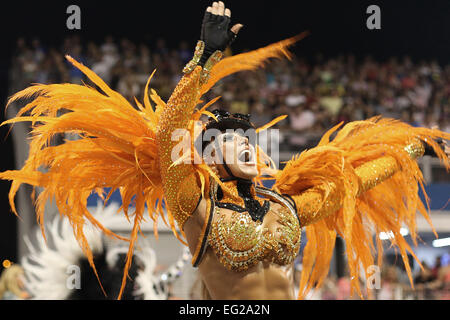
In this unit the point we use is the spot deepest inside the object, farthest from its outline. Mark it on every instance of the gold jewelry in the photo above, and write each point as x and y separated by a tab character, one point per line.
199	48
415	149
210	63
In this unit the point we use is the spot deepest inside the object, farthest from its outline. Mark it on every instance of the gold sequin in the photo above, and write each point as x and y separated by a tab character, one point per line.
312	208
415	149
210	63
310	204
199	48
240	243
176	115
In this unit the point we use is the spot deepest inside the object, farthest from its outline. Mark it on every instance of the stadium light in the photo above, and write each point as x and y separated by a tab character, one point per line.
441	242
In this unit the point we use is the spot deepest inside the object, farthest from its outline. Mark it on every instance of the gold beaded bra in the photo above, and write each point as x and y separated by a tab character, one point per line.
240	241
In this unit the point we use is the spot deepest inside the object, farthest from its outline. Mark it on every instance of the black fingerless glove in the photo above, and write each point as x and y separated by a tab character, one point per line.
216	35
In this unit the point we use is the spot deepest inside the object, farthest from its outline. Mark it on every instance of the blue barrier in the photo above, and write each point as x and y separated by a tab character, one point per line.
437	192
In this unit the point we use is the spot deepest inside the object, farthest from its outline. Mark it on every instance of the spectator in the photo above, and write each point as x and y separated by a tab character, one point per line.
423	283
316	93
390	286
295	98
302	118
437	267
444	278
332	103
343	288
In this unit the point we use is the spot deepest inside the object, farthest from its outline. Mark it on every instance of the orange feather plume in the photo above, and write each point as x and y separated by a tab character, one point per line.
384	208
117	148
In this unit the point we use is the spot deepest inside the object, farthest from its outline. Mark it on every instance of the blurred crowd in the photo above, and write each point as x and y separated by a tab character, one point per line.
316	93
390	283
430	283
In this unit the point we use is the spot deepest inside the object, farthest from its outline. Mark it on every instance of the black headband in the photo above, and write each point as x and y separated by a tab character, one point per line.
225	121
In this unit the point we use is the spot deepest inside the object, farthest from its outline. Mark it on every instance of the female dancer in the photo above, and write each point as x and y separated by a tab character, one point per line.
243	237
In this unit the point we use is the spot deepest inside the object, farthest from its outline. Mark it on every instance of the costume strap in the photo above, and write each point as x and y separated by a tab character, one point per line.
202	242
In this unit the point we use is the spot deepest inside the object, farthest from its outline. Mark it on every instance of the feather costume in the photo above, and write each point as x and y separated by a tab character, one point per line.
129	149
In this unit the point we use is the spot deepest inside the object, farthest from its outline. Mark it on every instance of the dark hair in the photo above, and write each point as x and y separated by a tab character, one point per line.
225	120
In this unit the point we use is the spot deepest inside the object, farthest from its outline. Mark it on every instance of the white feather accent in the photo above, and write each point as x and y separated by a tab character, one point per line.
46	266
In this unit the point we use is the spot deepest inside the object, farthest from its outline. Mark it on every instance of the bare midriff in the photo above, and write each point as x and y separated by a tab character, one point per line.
266	280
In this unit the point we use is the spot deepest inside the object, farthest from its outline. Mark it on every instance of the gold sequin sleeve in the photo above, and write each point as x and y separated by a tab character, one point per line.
310	205
180	199
180	183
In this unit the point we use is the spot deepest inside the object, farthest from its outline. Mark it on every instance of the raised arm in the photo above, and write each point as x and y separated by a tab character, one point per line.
176	116
215	36
365	181
370	174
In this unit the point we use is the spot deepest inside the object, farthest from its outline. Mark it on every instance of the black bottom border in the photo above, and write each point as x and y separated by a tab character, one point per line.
196	309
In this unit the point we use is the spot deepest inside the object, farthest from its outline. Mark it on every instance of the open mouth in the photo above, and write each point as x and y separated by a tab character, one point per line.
246	157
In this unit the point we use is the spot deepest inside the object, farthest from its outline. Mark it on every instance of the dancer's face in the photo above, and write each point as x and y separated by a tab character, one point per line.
238	154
